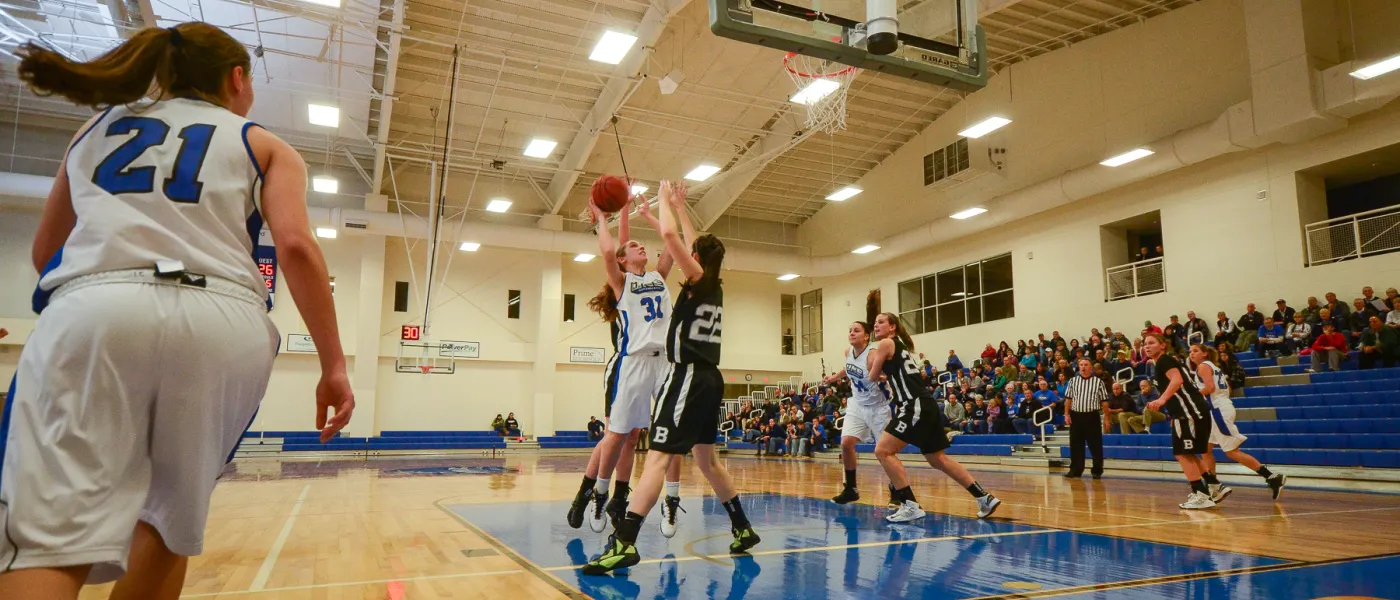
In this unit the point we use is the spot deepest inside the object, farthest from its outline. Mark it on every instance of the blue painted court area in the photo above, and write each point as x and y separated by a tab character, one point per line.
815	550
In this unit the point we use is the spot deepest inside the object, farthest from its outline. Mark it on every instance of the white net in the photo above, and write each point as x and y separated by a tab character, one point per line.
821	88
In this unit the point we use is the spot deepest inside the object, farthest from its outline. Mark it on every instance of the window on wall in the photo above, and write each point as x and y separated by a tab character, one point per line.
788	324
513	304
812	322
568	308
973	293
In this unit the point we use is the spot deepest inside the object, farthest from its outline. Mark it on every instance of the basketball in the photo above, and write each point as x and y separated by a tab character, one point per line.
609	193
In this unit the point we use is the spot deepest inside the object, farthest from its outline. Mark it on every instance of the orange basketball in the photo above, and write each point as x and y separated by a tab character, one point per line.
609	193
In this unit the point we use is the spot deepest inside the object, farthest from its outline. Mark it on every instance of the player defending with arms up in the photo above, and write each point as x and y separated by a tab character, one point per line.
687	414
869	409
153	348
1213	385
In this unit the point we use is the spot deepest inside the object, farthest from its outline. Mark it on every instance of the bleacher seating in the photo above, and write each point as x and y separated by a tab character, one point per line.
309	441
566	440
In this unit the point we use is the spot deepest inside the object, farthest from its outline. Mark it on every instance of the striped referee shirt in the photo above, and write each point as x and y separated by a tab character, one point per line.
1086	393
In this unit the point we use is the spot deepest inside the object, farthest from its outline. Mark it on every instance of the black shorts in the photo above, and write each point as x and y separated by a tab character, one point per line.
918	422
687	413
1190	436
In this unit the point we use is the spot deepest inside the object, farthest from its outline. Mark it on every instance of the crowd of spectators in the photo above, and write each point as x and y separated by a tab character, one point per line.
797	424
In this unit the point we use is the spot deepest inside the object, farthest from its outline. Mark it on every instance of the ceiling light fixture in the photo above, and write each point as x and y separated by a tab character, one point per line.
325	185
540	148
498	205
469	247
985	127
866	249
788	277
330	3
1127	157
612	47
1378	68
639	189
844	193
969	213
325	116
702	172
326	232
812	92
583	258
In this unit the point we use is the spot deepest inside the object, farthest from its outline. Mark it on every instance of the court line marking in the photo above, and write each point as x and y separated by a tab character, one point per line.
351	583
510	553
265	571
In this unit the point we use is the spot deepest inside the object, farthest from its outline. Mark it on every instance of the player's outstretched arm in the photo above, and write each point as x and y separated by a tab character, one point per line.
663	264
607	248
284	207
671	234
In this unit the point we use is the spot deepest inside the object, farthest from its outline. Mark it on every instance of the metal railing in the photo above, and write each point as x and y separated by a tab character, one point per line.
1136	279
1363	234
1041	418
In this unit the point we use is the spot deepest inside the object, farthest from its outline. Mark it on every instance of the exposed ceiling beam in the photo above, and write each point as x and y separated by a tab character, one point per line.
610	99
386	99
723	192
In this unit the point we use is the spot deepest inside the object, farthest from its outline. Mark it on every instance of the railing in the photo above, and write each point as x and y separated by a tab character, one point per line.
1136	279
1363	234
1041	418
1120	378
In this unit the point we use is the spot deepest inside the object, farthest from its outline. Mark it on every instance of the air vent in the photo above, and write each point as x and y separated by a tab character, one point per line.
963	161
946	162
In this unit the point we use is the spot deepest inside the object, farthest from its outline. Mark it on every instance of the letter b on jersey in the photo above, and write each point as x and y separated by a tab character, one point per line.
660	435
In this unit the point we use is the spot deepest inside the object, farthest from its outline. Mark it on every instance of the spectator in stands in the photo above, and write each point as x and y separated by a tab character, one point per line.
977	416
776	440
1234	371
1339	309
1271	339
988	353
818	438
1225	329
1379	345
1299	334
1392	297
1148	327
1045	395
1284	313
1176	332
498	425
802	439
1249	323
928	370
1142	423
1030	357
1392	318
994	414
1339	324
1311	313
1369	296
512	426
1329	348
1024	374
955	415
1024	420
595	429
1196	325
1119	408
1360	320
954	363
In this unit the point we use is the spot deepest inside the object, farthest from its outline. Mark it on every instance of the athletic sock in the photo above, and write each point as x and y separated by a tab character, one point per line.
623	489
629	527
588	483
850	478
1199	486
905	494
602	486
1210	478
736	513
976	490
673	489
1264	472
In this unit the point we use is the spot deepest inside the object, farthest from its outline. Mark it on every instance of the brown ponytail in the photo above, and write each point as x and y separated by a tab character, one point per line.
187	60
605	304
710	252
899	330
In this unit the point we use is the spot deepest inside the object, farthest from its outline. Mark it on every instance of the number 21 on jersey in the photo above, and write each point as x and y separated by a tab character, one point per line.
115	175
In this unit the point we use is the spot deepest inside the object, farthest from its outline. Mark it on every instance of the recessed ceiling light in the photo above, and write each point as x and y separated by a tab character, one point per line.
540	148
612	47
331	3
958	294
469	247
844	193
1377	69
971	212
325	116
583	258
866	249
812	92
702	172
639	189
788	277
498	205
326	232
325	185
1127	157
985	127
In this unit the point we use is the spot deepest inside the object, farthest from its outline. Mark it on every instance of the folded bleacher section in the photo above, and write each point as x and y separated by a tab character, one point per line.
562	440
970	445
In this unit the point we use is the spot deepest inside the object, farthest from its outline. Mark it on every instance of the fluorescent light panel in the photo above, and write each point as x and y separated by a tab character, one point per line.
1377	69
985	127
844	193
498	205
639	189
971	212
326	232
612	47
1127	157
866	249
583	258
331	3
540	148
325	116
325	185
812	92
469	247
702	172
788	277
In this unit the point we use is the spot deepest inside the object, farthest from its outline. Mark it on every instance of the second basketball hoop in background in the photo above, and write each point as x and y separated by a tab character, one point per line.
609	193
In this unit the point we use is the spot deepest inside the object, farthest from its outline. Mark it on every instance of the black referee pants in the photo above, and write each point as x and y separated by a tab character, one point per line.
1085	428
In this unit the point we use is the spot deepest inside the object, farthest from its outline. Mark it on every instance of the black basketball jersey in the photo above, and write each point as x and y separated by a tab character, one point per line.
1187	403
902	371
695	327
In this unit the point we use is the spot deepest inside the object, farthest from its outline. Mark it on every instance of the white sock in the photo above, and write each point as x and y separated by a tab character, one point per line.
601	488
673	489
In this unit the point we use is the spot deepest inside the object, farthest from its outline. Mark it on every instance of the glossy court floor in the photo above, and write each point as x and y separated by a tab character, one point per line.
494	528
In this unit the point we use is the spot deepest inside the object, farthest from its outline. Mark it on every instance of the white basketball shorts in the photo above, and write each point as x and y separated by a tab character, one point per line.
127	403
865	422
1225	434
632	383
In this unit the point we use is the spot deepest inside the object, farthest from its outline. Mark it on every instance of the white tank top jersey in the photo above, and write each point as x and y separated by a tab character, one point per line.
863	391
645	314
175	181
1220	398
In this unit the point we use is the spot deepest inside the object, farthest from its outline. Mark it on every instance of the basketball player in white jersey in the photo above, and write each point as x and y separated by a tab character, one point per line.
636	371
1213	385
868	411
153	347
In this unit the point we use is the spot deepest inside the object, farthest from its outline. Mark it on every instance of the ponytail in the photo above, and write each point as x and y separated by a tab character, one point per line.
710	252
872	307
605	304
899	330
187	60
1208	351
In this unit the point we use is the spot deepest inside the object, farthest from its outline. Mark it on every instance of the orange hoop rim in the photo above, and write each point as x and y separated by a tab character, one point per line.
787	58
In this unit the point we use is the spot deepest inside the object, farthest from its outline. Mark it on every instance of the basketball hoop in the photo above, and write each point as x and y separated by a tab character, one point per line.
426	369
821	88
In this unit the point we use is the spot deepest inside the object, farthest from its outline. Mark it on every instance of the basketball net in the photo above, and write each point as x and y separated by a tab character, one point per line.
426	369
826	108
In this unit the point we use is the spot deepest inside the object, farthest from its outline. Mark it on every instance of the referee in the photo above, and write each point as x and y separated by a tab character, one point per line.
1085	396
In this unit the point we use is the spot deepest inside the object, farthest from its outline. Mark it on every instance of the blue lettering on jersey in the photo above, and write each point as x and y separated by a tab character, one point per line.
647	287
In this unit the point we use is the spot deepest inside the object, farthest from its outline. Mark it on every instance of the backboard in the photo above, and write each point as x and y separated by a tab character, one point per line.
938	41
